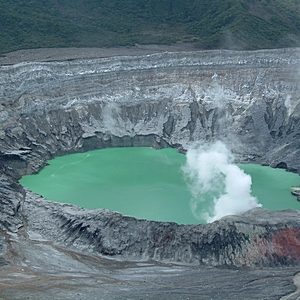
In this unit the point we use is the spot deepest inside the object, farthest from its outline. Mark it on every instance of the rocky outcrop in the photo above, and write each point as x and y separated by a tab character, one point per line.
296	192
250	100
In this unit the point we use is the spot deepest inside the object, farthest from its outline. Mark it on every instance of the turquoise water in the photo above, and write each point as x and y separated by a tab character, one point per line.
144	182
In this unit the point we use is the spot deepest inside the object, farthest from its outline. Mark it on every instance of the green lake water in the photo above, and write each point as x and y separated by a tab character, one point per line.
145	183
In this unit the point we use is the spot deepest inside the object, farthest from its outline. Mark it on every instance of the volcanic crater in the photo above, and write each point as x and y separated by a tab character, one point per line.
163	99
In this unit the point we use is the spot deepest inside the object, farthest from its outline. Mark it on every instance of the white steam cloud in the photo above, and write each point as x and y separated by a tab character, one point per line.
219	187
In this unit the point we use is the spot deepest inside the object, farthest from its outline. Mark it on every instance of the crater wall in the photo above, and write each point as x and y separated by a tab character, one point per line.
250	100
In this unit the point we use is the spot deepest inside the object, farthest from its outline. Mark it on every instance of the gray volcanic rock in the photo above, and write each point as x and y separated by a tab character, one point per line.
296	192
250	100
256	238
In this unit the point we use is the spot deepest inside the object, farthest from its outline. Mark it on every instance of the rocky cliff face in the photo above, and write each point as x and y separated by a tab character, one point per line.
250	100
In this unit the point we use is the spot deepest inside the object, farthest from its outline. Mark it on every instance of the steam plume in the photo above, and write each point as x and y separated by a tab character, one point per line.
219	187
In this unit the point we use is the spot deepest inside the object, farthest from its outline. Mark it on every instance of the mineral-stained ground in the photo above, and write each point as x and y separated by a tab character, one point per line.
52	105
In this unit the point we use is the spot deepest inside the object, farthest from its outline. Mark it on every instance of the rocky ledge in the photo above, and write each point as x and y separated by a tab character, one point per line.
250	100
296	192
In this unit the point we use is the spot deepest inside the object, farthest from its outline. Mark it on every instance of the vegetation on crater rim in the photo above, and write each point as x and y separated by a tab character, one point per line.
231	24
